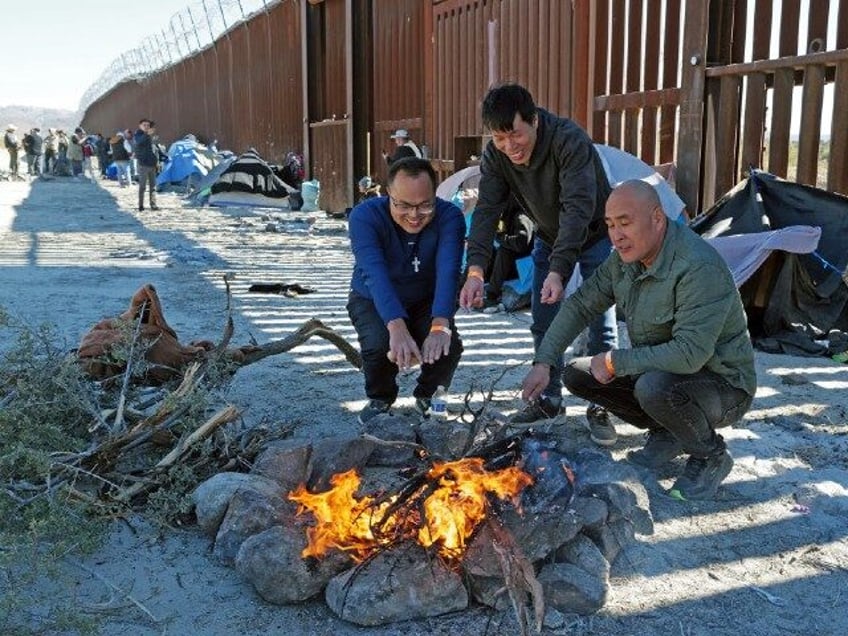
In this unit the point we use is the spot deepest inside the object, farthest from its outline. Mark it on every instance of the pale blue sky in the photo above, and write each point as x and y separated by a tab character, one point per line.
53	50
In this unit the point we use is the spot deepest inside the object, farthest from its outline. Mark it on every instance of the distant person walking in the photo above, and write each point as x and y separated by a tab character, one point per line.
12	145
147	159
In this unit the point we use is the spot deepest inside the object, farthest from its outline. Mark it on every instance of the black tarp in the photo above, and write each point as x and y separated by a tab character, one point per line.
808	294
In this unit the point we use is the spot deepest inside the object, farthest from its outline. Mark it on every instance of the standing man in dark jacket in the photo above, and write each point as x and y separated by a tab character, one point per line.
408	253
147	160
551	167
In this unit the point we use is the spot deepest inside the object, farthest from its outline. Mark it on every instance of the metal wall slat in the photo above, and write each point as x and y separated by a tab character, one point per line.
633	82
726	128
837	178
671	66
781	119
653	32
811	110
616	73
755	110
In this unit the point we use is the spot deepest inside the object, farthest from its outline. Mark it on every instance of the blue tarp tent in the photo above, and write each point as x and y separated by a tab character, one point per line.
186	158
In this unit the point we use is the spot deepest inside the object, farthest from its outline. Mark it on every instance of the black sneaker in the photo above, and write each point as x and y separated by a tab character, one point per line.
600	430
702	476
154	207
372	410
541	409
141	208
660	448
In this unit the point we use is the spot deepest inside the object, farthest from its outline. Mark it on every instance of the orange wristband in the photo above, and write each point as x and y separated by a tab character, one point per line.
475	274
441	329
608	363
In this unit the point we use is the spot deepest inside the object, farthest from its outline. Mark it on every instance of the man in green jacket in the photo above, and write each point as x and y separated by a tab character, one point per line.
690	368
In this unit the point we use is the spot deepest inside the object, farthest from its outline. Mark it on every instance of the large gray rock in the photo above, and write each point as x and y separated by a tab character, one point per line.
537	536
272	562
399	584
618	485
592	511
571	589
212	497
612	537
336	455
250	513
285	462
585	554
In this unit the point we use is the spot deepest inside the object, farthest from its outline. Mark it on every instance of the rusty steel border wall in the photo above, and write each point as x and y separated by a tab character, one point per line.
709	86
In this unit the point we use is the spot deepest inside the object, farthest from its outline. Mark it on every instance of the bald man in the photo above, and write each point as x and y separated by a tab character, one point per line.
690	367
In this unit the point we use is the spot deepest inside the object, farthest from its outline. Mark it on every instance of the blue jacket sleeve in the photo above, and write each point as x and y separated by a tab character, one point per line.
367	235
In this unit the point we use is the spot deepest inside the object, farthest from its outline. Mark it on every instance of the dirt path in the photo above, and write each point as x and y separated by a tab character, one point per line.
770	556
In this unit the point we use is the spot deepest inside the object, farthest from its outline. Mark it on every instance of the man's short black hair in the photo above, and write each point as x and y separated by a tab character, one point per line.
143	120
413	166
501	104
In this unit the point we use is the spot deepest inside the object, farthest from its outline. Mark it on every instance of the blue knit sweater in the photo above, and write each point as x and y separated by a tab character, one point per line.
396	269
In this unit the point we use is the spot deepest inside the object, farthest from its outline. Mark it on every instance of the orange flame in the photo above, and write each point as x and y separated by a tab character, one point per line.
455	500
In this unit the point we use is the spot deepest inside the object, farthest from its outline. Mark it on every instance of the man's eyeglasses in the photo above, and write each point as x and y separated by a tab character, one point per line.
424	209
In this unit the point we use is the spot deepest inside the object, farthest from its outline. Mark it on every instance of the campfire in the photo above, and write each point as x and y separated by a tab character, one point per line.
390	529
442	512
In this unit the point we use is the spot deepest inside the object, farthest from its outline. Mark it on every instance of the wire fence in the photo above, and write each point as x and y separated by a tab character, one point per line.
189	31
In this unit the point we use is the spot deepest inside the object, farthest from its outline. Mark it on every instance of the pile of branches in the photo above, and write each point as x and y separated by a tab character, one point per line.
148	433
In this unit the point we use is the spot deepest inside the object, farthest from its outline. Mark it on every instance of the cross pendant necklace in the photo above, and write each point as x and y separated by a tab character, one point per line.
416	262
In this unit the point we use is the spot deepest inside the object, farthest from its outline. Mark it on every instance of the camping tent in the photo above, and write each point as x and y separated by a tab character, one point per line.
806	293
203	188
188	161
250	181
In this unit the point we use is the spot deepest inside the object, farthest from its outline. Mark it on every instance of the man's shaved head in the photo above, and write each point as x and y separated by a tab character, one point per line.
636	222
643	195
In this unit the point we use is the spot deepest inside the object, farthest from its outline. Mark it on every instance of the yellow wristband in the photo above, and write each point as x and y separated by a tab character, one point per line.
608	363
475	274
441	329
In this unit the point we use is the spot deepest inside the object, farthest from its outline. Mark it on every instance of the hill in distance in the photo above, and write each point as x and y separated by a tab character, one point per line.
27	117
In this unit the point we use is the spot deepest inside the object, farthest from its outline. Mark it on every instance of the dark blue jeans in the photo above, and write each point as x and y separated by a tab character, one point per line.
380	374
690	407
603	331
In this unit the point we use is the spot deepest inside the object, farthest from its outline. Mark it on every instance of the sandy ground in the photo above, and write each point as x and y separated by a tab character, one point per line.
770	556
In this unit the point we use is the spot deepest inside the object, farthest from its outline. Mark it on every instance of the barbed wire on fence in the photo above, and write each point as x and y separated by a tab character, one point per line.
189	31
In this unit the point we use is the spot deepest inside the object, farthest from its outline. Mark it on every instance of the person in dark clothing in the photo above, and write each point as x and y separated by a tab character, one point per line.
407	250
12	145
550	165
51	151
513	240
690	367
121	154
36	152
404	147
104	151
146	157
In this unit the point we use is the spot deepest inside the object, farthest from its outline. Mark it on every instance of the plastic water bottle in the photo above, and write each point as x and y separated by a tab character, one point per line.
438	403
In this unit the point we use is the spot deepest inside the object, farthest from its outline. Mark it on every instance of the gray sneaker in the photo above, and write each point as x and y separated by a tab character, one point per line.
372	410
702	476
542	409
660	448
601	431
